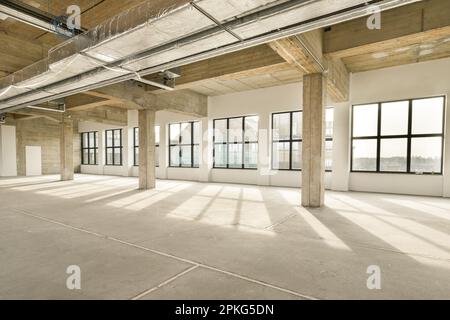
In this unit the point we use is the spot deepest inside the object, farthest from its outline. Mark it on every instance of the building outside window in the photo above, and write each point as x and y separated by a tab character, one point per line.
136	146
399	137
89	148
236	142
184	145
113	147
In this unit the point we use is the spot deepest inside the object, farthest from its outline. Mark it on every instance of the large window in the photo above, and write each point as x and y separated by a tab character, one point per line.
136	146
89	148
236	143
399	137
184	145
287	140
113	147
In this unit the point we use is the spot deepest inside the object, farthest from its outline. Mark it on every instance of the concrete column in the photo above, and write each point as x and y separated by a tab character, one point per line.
313	169
66	149
264	146
341	147
147	171
206	154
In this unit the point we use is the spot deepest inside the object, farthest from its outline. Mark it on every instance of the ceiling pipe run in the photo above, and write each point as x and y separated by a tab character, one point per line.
238	24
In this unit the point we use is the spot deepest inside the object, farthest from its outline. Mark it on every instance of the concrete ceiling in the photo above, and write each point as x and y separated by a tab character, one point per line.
409	34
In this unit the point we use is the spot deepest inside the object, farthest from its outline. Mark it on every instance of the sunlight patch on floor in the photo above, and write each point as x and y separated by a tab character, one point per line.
395	237
321	230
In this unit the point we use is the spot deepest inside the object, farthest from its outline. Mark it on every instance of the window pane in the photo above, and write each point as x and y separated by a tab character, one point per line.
280	155
109	157
175	133
220	155
365	155
426	155
235	155
117	156
281	126
157	156
251	129
196	156
186	154
92	143
85	156
175	156
329	122
109	139
393	155
428	116
251	155
297	125
92	156
365	120
85	140
136	156
394	118
117	138
235	132
220	130
136	137
297	156
186	133
157	135
197	133
328	155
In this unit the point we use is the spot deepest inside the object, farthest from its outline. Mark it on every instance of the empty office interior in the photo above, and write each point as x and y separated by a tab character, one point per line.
282	156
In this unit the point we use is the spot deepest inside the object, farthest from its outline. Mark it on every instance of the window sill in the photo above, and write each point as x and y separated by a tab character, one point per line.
219	168
183	167
401	173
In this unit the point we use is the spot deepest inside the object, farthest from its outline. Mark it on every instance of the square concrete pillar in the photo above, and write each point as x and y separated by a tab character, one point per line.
66	149
313	168
147	170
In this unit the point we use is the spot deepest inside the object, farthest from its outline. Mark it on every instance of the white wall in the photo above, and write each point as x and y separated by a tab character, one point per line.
8	156
125	169
404	82
262	102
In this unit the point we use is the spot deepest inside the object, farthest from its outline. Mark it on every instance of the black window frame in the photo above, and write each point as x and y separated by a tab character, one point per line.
136	147
409	136
89	148
290	140
113	147
192	145
244	142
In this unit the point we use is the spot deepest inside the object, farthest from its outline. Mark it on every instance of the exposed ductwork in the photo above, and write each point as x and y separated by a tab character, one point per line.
141	42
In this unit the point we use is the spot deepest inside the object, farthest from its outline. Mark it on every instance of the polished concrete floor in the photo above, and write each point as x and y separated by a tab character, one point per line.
188	240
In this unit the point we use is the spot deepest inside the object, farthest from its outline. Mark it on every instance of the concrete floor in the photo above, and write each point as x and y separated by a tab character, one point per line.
189	240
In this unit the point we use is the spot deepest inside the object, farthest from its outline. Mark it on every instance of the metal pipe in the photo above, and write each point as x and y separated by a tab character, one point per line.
48	109
353	13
